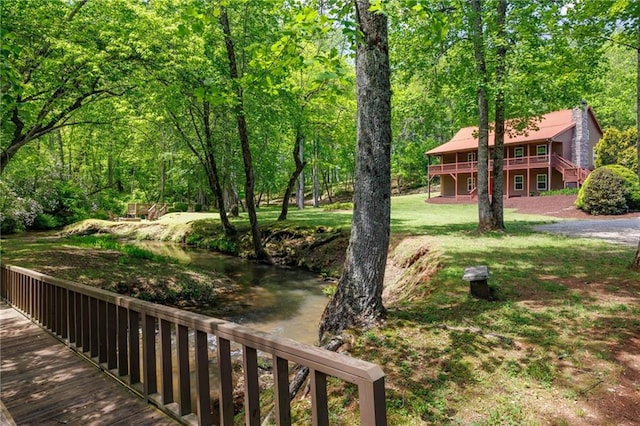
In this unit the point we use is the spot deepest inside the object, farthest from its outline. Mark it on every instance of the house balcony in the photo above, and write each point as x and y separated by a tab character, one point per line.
518	163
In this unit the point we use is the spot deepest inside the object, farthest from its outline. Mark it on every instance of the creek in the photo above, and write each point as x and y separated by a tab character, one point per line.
283	301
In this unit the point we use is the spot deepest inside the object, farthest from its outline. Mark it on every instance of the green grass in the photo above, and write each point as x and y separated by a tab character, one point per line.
111	242
564	307
551	305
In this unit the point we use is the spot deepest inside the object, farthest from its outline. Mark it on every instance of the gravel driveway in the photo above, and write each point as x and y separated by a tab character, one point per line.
621	231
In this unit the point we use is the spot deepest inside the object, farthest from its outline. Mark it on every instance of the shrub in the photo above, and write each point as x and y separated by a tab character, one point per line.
17	212
603	193
630	186
45	221
179	207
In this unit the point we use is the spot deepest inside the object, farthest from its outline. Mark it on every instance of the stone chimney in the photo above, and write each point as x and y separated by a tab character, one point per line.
580	155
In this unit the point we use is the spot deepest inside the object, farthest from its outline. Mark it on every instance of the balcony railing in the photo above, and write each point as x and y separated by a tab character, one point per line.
138	343
531	162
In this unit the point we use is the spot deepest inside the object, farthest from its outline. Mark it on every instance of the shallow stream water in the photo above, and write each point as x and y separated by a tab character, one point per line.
284	301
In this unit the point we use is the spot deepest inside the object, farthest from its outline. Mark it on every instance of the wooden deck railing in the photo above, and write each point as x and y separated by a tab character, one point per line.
530	162
119	334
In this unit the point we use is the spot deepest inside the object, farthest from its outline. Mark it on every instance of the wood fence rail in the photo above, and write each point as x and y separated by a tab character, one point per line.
119	334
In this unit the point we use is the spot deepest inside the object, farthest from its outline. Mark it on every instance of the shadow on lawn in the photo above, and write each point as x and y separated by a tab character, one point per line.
469	228
555	304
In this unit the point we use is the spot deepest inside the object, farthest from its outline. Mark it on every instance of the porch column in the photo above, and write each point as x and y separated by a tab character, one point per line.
455	179
428	178
505	164
528	170
549	166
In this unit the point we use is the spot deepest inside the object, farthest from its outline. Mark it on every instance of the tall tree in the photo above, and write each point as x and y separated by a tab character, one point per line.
358	298
485	214
243	134
497	199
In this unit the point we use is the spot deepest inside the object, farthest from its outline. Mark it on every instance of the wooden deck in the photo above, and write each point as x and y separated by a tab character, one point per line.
44	382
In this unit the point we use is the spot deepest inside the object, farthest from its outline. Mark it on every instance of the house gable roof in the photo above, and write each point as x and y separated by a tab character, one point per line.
550	126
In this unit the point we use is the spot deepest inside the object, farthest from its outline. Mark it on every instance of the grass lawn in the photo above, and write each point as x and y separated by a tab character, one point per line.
560	345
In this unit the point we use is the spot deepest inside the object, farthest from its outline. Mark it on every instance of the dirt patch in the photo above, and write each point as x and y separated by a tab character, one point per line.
560	206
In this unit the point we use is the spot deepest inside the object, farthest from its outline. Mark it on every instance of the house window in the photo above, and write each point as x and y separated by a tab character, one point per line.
518	183
518	152
471	156
471	184
541	150
541	182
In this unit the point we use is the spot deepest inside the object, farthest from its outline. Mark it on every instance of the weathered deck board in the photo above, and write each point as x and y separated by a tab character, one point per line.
44	382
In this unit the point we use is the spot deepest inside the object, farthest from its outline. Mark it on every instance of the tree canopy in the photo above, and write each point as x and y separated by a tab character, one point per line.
133	100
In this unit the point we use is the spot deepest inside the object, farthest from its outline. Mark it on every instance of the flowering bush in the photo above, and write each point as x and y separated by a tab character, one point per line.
16	213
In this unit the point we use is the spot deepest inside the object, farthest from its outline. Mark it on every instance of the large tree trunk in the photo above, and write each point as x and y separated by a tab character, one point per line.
292	180
497	199
243	134
485	219
358	298
636	263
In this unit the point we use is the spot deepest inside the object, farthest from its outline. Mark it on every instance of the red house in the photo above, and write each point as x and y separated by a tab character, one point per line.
553	153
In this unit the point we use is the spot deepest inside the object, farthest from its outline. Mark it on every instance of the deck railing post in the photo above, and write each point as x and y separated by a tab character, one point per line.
102	331
73	318
57	310
372	403
320	411
123	353
50	302
149	355
86	327
203	399
184	377
93	326
281	391
112	331
64	315
251	388
226	385
167	365
134	347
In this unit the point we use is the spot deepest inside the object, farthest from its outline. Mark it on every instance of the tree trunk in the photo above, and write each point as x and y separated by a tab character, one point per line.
638	98
212	171
316	181
497	199
636	263
358	298
292	180
485	218
243	134
300	190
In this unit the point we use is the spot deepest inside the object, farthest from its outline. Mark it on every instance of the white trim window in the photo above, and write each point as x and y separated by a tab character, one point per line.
471	183
471	156
518	183
541	182
518	152
541	150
